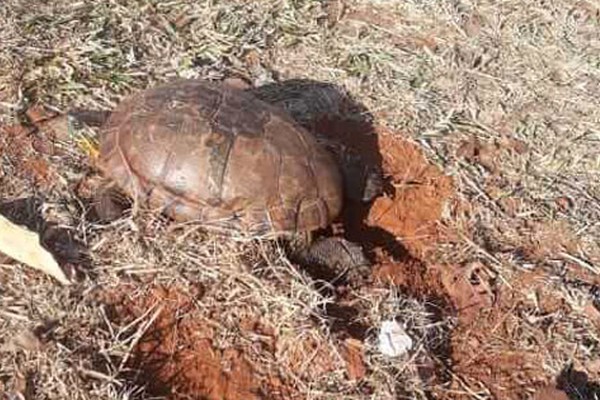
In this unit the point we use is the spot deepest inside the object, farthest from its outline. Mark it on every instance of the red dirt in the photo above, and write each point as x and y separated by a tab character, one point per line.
16	143
401	227
354	356
550	393
497	349
415	207
177	355
469	290
416	191
484	347
27	147
497	363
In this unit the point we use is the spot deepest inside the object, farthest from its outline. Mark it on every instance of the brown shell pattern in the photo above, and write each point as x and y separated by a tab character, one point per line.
208	152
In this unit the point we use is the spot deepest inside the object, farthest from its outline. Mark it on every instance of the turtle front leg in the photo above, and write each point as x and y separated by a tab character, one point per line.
334	259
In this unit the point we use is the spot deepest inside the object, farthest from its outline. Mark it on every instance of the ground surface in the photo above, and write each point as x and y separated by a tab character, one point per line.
485	118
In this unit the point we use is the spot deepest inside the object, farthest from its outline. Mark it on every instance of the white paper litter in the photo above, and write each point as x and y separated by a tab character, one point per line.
393	339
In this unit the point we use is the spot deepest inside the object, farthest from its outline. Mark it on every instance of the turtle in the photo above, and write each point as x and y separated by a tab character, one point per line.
209	152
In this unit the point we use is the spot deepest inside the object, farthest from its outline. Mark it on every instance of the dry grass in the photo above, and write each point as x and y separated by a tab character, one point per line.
504	96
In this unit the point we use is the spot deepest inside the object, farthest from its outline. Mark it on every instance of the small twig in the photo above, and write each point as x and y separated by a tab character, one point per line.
483	194
582	263
99	376
138	336
11	315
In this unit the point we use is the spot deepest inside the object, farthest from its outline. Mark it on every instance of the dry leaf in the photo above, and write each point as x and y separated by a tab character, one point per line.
24	246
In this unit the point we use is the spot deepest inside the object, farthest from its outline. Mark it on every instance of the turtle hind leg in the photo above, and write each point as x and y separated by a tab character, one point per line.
109	203
334	260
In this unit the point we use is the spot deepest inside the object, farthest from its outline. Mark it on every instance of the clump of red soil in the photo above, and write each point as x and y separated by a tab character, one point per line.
415	190
25	151
491	347
412	211
30	145
400	227
176	356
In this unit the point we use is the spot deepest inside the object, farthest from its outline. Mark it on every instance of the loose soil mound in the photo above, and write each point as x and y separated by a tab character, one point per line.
415	191
400	227
176	356
420	191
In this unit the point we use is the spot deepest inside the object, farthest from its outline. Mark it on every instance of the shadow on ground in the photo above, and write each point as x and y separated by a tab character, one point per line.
576	385
69	252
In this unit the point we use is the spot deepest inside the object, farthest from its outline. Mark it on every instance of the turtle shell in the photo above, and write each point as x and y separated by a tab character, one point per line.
209	152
